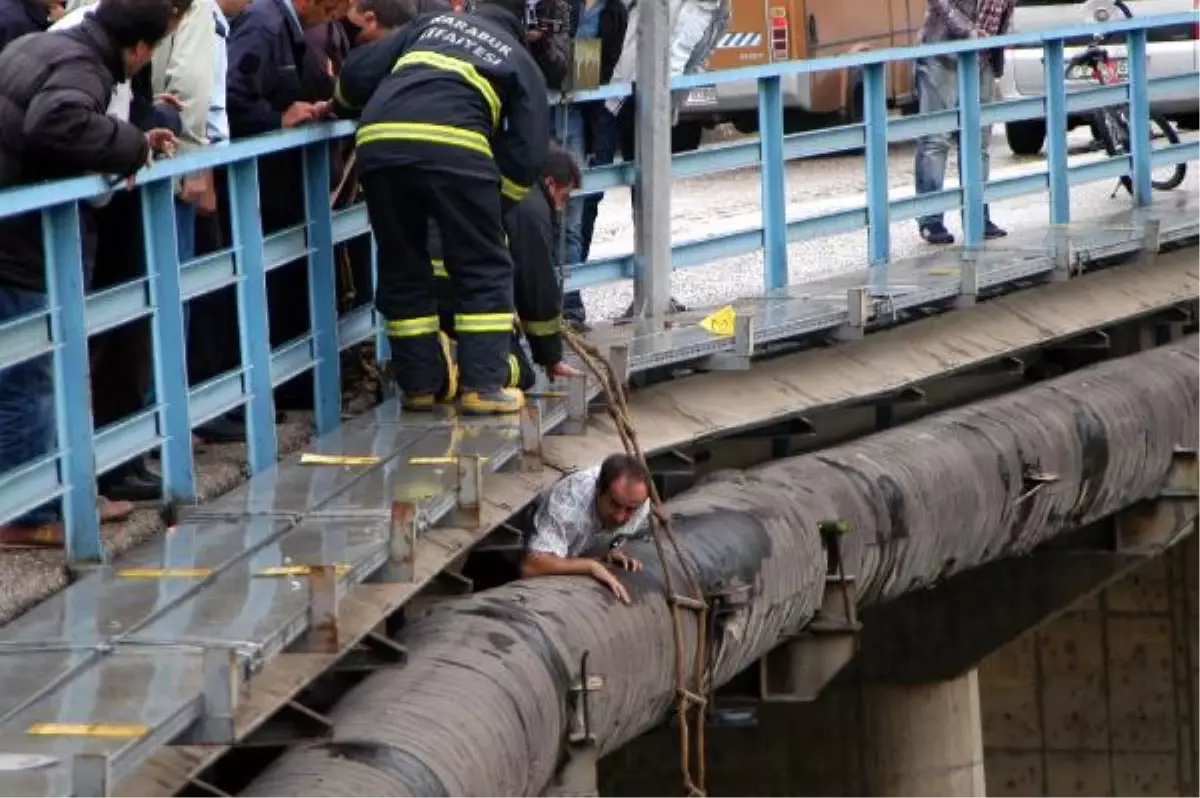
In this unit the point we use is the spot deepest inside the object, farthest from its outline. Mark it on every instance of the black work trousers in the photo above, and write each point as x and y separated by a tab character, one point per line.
520	367
400	202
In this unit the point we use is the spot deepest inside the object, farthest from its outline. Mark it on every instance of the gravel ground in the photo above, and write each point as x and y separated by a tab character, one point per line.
704	206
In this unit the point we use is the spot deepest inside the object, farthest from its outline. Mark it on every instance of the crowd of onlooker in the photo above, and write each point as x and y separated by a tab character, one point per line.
177	75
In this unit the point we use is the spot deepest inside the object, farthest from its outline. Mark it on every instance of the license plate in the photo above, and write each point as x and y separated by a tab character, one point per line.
701	97
1117	68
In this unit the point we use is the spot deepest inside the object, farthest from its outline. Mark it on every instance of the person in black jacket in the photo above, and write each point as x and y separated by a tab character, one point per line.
54	93
18	17
532	227
454	129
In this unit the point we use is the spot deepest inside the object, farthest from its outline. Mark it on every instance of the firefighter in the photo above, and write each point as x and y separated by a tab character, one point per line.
533	241
454	128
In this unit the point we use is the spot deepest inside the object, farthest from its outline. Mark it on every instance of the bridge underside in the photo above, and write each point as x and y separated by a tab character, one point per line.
305	558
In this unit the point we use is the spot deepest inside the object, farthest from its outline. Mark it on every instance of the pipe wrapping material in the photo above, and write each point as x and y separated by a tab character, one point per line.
481	706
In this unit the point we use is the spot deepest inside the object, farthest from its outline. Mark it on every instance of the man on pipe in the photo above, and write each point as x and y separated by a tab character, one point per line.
580	522
532	227
454	129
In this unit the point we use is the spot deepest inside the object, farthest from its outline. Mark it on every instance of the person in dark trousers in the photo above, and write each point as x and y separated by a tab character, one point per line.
532	227
548	24
454	128
592	133
54	94
267	88
18	17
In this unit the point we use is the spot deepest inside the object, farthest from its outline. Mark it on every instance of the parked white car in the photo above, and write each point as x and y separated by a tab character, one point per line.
1172	51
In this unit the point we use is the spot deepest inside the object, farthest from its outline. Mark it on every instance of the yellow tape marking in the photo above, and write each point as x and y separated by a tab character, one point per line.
163	573
436	460
90	729
309	458
340	569
949	271
721	322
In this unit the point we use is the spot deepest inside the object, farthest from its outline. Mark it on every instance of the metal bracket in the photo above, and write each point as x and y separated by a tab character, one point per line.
293	724
323	633
968	281
1064	256
1151	242
800	669
402	543
618	361
222	684
1149	527
577	406
89	775
1092	340
374	652
858	312
738	358
531	438
579	773
468	511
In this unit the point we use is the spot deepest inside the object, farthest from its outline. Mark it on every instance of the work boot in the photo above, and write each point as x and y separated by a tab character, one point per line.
424	402
936	233
492	402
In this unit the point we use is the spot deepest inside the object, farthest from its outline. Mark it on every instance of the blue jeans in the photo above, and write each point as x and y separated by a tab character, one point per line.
937	90
27	430
575	143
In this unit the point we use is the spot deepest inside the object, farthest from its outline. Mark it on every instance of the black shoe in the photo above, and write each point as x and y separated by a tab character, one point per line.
132	482
936	233
991	230
223	429
673	306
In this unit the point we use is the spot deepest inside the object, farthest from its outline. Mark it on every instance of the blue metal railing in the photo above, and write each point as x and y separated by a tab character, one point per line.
73	315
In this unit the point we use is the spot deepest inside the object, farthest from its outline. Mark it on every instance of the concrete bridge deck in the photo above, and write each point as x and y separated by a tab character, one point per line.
154	649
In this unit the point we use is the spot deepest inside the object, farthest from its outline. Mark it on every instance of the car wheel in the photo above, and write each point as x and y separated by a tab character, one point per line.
1027	137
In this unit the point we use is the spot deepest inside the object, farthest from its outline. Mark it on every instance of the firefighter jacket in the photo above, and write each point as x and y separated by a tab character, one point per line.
537	293
457	93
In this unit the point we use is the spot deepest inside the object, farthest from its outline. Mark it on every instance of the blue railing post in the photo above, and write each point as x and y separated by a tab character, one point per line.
774	186
1055	76
970	148
170	341
62	238
879	211
254	330
322	289
1139	116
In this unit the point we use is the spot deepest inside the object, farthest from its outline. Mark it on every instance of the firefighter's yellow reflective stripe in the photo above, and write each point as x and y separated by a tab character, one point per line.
464	69
410	328
125	730
340	98
543	328
514	371
483	322
514	191
421	131
439	268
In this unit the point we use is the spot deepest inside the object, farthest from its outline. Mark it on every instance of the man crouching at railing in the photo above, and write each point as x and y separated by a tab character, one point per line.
54	92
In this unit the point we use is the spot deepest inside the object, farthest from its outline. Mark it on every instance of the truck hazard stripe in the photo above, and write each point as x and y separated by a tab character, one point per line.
738	40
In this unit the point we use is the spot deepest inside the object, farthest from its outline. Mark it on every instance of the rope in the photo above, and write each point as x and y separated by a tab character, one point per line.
690	693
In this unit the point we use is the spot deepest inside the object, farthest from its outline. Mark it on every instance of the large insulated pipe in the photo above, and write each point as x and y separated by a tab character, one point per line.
480	708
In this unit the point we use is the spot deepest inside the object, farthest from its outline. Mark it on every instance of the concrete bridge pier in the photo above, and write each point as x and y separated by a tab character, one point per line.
924	739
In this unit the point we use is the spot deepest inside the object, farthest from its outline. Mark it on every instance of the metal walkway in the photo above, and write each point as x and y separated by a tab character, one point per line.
153	650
